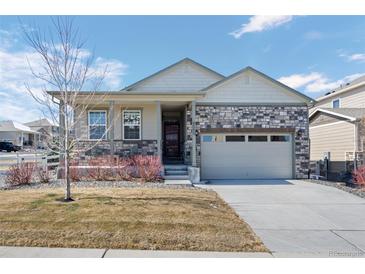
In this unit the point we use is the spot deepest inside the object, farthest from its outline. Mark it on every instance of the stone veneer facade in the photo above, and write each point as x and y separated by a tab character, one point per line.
121	148
294	118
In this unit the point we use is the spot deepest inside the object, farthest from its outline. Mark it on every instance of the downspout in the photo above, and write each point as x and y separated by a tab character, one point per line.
355	144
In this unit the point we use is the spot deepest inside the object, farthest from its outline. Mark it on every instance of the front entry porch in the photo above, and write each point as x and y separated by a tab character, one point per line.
173	134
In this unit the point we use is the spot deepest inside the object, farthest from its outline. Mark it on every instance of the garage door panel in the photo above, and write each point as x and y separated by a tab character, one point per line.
246	160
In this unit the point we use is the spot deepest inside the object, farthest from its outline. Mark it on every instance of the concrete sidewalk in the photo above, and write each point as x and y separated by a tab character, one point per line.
44	252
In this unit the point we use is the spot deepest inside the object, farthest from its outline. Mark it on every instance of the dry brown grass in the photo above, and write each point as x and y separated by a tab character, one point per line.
143	218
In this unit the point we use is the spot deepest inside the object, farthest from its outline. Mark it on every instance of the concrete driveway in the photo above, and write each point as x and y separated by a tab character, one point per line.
297	218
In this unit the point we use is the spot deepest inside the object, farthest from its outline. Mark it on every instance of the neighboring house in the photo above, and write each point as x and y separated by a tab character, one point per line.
47	129
337	128
244	126
18	133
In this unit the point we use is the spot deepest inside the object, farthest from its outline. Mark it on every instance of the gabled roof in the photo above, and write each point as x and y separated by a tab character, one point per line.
351	114
12	126
275	82
358	82
44	122
188	60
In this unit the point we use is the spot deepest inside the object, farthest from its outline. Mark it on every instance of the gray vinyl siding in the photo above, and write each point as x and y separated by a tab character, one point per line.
183	77
249	87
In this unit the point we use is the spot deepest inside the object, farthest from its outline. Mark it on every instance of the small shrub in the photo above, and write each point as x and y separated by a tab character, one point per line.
148	168
124	169
358	176
75	174
44	176
20	174
100	168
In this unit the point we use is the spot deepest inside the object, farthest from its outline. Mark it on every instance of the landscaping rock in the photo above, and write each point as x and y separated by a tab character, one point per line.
341	185
117	184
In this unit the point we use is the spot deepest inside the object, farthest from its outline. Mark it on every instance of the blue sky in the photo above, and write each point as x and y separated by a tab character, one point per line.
312	54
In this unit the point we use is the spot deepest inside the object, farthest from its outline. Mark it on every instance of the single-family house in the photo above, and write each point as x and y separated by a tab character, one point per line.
243	126
337	128
47	129
18	133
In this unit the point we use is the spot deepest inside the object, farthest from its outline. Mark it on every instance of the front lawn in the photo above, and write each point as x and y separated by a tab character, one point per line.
128	218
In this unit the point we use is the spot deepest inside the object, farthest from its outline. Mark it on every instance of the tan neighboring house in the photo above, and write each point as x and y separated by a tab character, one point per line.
337	128
243	126
47	129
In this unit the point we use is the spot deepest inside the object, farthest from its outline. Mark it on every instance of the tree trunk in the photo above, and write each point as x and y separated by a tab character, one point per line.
67	178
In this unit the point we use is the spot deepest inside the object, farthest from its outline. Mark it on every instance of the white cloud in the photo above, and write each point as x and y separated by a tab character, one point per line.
300	80
316	82
15	102
354	57
115	70
357	57
259	23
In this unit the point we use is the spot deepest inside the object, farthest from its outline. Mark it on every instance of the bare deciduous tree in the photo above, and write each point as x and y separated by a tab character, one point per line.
65	66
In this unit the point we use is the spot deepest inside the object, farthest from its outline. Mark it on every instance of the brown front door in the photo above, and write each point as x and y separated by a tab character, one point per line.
172	140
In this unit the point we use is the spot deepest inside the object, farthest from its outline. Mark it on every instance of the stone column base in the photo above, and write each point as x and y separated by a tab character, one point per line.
194	174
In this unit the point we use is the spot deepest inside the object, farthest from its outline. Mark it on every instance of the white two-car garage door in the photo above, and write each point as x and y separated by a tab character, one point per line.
247	156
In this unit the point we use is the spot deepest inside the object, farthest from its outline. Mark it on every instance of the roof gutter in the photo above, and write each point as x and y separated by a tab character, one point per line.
352	119
340	91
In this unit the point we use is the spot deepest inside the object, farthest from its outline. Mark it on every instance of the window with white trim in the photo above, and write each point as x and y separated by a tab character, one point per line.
131	124
97	124
336	103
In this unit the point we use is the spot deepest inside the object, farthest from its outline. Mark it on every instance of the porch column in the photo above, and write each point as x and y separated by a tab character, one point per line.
159	129
111	126
193	133
22	143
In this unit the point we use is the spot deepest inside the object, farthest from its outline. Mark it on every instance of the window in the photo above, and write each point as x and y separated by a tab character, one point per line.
207	138
257	138
336	103
279	138
235	138
131	124
97	124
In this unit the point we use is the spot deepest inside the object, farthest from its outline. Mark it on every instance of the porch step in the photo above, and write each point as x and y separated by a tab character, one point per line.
176	167
176	172
176	177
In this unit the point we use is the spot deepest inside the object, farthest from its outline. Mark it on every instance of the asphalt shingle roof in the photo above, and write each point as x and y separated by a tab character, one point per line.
352	112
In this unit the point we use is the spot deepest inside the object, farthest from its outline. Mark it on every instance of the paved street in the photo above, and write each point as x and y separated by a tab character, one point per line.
298	218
